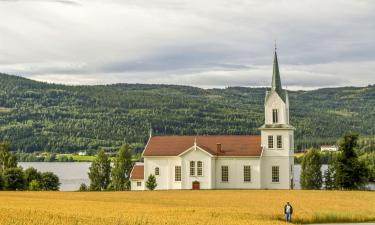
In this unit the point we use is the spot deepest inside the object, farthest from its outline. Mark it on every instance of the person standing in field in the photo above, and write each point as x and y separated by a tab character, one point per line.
288	211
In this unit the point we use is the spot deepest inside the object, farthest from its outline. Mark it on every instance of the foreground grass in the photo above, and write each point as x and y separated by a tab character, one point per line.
226	207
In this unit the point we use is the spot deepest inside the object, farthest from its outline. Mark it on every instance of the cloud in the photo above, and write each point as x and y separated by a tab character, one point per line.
210	43
69	2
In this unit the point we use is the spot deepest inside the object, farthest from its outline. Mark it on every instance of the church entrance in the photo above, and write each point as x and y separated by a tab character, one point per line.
196	185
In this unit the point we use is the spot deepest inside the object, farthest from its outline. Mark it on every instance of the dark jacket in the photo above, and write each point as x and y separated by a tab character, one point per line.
291	209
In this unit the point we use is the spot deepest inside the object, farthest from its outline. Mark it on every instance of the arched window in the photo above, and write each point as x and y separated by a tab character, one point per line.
157	171
275	117
200	168
192	168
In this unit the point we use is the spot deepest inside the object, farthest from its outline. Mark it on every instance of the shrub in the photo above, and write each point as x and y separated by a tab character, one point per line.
32	174
34	185
49	182
151	182
14	179
83	187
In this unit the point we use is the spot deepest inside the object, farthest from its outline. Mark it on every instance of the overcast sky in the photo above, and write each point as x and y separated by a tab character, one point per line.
205	43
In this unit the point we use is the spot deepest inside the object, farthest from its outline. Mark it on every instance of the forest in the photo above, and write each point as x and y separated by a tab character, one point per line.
37	116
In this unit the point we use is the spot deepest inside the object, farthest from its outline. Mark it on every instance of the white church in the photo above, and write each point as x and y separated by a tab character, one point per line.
225	161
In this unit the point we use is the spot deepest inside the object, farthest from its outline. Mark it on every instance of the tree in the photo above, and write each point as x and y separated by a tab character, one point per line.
100	171
83	187
34	185
7	160
311	175
14	179
49	181
122	167
151	182
32	174
350	173
329	178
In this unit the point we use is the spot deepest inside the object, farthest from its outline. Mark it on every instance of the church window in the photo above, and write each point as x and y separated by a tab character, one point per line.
279	141
139	184
247	173
224	174
270	141
192	168
275	174
157	171
275	118
200	168
177	173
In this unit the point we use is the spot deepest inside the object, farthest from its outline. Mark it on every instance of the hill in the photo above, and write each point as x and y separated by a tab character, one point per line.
37	116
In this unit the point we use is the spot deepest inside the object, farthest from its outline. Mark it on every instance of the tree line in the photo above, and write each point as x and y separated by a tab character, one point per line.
346	171
105	177
14	178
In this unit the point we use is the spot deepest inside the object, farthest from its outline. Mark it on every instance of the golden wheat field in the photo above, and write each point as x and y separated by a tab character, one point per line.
183	207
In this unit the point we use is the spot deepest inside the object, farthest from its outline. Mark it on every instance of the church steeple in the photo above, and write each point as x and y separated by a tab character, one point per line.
276	81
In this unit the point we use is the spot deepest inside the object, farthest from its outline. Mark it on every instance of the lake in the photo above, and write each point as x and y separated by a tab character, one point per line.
73	174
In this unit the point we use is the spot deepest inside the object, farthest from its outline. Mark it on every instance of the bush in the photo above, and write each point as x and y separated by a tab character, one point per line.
14	179
32	174
49	182
151	182
83	187
34	185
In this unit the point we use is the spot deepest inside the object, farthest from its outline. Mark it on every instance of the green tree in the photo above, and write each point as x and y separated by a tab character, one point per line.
83	187
350	173
32	174
34	185
121	170
14	179
99	172
7	160
329	178
151	182
311	175
49	182
369	160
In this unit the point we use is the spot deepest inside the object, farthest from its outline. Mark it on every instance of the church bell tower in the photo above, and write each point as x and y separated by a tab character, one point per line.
277	136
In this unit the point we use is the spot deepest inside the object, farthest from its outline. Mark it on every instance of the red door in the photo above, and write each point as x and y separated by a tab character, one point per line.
196	185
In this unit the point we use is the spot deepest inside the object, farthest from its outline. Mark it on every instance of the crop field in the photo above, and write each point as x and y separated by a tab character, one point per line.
224	207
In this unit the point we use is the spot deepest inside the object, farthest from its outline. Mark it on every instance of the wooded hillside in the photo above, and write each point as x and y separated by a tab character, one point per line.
37	116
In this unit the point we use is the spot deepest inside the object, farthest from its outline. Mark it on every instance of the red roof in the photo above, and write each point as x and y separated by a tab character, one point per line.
231	145
137	172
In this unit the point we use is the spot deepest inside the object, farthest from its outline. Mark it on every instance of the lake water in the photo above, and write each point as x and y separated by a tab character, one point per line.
73	174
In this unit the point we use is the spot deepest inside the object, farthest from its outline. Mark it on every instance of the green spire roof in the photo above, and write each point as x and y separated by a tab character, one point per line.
276	81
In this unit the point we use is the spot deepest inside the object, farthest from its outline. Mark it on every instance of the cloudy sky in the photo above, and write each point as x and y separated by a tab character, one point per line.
205	43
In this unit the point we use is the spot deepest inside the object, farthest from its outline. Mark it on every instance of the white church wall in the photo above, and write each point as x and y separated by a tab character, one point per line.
287	142
165	179
206	179
134	185
275	102
236	173
283	162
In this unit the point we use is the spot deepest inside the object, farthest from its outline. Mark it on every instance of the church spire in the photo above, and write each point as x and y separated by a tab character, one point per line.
276	81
